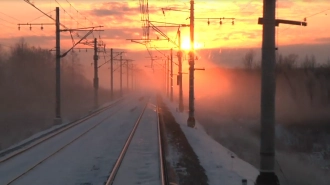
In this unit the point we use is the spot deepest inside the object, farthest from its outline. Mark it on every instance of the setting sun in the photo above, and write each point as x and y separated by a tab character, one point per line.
186	44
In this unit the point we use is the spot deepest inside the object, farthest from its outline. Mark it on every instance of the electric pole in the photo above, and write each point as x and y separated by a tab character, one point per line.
167	77
267	174
127	74
132	77
171	75
111	73
180	74
165	82
58	119
191	118
96	78
121	76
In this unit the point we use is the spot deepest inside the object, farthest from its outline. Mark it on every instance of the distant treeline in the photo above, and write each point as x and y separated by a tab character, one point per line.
284	62
27	83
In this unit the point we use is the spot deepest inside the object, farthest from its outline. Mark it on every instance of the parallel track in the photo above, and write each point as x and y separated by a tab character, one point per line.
66	145
50	135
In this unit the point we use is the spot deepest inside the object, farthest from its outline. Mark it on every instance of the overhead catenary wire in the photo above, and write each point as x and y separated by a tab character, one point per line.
9	16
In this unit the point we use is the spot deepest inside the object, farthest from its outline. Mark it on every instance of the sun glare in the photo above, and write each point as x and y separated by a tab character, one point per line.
185	45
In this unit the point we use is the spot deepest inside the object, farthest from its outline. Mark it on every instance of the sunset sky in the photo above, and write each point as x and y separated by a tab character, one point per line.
121	21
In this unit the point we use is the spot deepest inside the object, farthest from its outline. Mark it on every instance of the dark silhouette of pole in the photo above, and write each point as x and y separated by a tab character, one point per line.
181	108
191	118
132	77
58	118
127	75
168	77
171	75
111	73
121	75
165	84
96	78
267	174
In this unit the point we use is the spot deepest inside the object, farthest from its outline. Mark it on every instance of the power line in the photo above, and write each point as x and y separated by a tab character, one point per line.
9	16
7	26
7	21
79	12
41	16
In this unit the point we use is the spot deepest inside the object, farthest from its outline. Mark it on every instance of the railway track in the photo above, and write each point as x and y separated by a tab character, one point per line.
147	117
112	179
64	146
9	154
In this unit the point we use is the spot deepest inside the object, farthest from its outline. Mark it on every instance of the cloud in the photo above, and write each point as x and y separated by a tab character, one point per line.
325	40
285	4
114	9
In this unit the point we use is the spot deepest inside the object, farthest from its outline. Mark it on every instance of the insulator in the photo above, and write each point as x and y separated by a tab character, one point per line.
305	19
79	50
19	28
220	22
42	28
208	22
232	22
86	50
30	27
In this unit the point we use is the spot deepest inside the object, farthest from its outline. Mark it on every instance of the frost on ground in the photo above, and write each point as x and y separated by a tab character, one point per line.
218	165
182	158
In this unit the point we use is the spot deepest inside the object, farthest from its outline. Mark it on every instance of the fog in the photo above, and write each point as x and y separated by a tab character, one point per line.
228	106
27	80
227	102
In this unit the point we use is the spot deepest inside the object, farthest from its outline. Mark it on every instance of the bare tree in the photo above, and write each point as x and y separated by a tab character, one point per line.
287	62
248	59
309	62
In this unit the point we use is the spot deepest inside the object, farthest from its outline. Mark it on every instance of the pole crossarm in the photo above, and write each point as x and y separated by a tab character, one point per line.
171	9
83	28
283	21
33	24
221	18
181	25
64	54
218	18
30	3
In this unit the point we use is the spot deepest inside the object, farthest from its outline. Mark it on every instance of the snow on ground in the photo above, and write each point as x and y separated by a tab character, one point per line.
141	162
87	160
26	142
221	165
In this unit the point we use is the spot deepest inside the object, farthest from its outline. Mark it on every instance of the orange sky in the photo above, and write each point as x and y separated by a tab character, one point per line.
121	21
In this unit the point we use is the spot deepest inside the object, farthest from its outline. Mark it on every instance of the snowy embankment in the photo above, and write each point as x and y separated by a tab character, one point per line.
221	165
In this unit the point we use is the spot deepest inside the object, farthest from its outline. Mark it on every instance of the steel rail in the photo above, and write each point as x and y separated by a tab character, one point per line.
162	165
124	150
61	130
60	149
